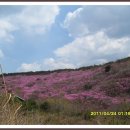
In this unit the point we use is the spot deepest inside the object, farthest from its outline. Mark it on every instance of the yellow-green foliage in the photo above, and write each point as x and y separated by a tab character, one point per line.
8	109
59	112
53	112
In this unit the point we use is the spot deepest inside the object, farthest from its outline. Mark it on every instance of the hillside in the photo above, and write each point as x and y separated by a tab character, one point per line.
68	96
108	83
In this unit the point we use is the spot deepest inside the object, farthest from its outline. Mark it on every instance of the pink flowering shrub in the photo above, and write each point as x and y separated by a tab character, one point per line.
92	83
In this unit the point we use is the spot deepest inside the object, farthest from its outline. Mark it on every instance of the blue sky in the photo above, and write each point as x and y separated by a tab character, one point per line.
34	38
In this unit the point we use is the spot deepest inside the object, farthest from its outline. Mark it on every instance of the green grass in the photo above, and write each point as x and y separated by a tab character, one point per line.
57	112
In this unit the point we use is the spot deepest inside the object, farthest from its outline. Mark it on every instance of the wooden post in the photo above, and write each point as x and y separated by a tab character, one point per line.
5	87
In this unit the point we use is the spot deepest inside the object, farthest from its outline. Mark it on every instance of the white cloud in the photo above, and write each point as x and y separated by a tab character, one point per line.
94	49
53	64
47	64
74	25
114	20
37	19
29	67
30	19
5	30
1	54
88	50
101	34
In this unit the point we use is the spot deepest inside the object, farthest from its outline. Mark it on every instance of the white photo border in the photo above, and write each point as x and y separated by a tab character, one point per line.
65	126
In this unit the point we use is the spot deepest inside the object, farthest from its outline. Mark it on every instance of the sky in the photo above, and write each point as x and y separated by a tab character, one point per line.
49	37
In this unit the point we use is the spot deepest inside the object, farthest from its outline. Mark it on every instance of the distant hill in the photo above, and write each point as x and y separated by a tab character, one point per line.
105	84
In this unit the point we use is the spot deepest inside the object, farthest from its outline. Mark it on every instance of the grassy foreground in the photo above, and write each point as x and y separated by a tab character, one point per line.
55	112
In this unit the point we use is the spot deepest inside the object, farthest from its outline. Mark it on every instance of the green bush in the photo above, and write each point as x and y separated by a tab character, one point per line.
30	105
107	68
87	86
60	106
87	115
45	106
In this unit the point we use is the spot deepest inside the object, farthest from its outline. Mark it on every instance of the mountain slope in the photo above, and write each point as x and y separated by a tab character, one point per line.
104	84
